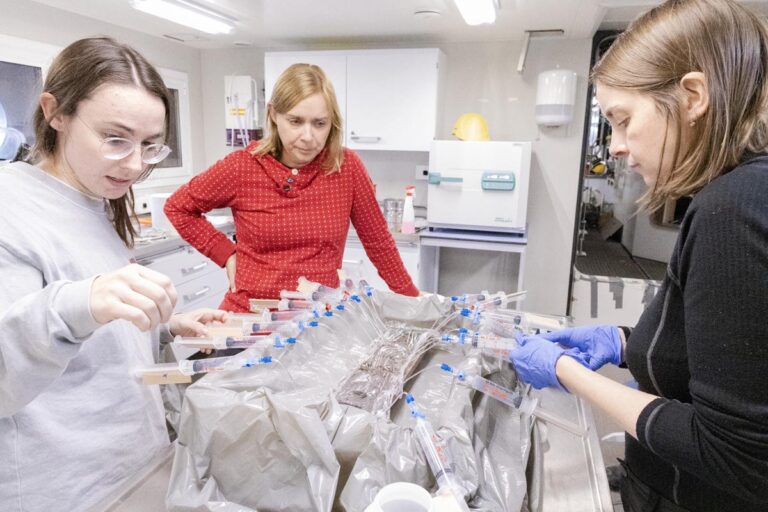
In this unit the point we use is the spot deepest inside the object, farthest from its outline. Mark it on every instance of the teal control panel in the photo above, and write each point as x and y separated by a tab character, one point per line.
498	180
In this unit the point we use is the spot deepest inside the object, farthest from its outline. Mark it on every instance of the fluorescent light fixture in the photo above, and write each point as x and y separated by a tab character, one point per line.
188	14
477	12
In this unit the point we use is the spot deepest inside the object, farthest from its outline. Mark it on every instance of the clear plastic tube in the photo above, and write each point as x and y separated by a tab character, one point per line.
438	458
500	393
507	321
288	304
524	404
288	294
218	364
296	315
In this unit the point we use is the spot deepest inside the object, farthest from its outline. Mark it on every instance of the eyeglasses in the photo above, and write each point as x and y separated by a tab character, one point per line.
117	148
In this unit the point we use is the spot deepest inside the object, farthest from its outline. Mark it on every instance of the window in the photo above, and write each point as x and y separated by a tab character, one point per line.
23	64
177	168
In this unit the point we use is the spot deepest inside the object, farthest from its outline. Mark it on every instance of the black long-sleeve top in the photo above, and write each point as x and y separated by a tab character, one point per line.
702	346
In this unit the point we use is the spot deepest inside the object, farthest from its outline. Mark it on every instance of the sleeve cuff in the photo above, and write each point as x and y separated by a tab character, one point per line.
73	302
222	251
627	332
646	418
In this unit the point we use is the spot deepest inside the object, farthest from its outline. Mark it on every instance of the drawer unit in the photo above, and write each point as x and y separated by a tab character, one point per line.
199	282
181	265
356	260
206	291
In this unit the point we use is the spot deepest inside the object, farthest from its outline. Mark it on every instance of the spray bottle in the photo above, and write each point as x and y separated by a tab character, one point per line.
408	225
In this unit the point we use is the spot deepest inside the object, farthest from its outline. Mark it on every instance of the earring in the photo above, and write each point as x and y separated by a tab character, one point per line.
692	123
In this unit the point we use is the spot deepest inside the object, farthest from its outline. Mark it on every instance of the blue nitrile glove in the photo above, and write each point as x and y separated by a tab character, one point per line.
535	360
599	344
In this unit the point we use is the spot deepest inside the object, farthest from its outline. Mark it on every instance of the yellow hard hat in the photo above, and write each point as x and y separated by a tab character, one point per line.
471	126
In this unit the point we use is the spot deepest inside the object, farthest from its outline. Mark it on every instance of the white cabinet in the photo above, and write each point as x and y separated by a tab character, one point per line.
392	99
388	98
356	260
199	282
333	64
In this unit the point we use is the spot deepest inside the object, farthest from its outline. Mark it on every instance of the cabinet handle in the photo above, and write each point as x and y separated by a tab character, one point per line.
192	270
356	262
370	139
199	293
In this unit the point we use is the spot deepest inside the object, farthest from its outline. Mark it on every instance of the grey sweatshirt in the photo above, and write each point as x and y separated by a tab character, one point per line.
75	423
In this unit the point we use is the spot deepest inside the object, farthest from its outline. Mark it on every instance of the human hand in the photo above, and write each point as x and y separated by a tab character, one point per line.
230	266
598	344
142	296
194	323
535	359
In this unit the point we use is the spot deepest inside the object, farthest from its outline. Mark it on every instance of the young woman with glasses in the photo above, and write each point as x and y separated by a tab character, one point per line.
76	317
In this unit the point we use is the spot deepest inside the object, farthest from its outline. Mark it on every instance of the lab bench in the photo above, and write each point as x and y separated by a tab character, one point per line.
566	472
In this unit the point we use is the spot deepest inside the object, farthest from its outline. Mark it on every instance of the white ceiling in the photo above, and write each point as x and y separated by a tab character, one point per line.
291	23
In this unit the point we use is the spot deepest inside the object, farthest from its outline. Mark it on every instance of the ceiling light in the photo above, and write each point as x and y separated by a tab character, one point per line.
187	13
477	12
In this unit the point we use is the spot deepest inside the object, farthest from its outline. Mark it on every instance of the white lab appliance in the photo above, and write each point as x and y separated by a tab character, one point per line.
478	186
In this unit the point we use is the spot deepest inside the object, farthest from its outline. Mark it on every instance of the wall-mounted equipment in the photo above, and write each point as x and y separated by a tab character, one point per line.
555	97
478	186
241	109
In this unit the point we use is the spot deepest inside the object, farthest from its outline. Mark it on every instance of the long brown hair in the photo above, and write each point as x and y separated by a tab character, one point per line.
729	45
295	84
75	73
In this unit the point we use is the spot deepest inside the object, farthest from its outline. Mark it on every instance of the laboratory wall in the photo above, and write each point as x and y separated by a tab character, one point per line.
37	22
481	77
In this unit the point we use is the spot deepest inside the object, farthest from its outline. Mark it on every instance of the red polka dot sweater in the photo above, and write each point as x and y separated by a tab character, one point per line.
288	223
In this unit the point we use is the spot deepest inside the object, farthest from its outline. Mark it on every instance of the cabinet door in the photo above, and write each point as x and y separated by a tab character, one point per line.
355	260
333	64
392	100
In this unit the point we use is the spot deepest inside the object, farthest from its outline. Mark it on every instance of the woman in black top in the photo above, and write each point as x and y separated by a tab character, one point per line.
685	89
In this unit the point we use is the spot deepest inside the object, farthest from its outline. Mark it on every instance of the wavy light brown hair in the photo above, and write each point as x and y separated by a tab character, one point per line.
295	84
74	75
729	45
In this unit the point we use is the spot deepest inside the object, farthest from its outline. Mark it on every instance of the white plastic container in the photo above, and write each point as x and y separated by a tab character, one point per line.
401	497
156	204
555	97
408	225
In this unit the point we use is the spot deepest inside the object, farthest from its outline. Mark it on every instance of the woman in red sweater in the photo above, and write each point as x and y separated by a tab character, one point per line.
292	196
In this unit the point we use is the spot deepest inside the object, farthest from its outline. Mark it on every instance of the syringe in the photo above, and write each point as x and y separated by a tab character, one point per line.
220	342
468	298
438	457
217	364
290	294
499	347
289	304
507	320
317	291
297	315
237	324
483	385
525	404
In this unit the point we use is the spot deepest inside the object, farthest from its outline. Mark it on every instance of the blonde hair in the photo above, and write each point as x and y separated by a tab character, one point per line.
295	84
729	45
